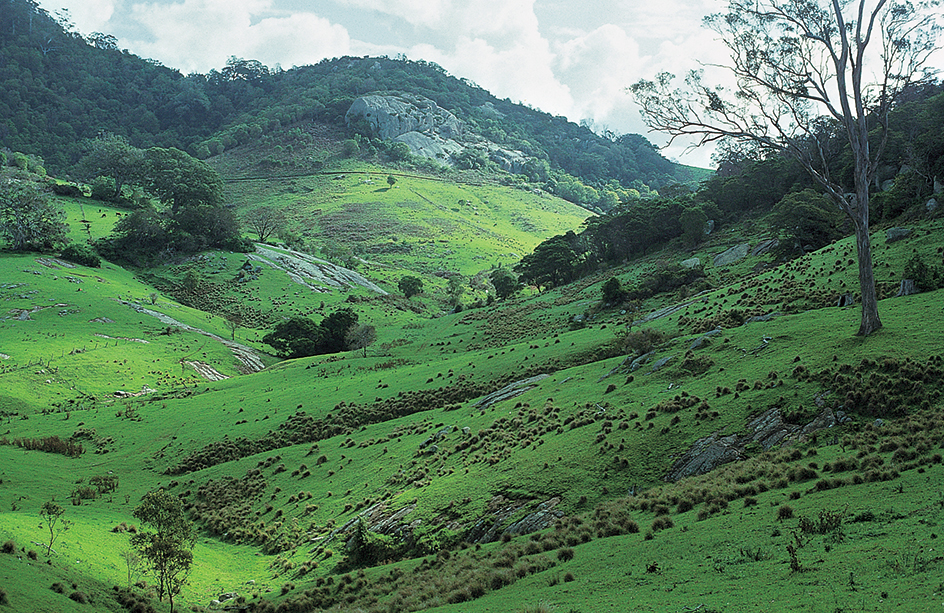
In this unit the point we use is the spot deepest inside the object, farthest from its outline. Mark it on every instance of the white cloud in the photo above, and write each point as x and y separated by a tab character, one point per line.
204	33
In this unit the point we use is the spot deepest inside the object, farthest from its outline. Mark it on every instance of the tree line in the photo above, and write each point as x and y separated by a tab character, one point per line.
59	88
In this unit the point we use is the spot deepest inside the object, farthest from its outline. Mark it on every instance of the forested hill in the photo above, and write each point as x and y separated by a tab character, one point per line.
59	87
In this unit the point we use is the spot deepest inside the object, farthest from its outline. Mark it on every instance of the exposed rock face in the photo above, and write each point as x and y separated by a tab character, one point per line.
894	235
732	255
510	391
766	430
765	247
393	115
908	288
690	263
427	129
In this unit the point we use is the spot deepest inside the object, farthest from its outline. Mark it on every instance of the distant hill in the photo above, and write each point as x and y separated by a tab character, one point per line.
60	87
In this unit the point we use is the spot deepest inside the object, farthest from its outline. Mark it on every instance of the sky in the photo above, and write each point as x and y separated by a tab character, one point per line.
573	58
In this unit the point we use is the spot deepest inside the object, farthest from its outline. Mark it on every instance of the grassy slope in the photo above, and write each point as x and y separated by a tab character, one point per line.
530	452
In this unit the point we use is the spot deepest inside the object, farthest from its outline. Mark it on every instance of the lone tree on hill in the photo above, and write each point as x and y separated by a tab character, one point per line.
361	337
167	545
52	513
264	221
410	286
793	61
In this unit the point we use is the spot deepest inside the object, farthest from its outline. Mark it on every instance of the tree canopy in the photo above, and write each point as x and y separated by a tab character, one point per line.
298	337
29	218
166	542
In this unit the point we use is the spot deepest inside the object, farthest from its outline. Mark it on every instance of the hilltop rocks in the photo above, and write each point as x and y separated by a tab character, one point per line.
393	115
428	130
690	263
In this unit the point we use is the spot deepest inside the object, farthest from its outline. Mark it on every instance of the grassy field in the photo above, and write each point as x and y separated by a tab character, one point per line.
276	466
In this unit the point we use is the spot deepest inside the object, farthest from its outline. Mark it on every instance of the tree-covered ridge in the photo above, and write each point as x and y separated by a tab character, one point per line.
775	187
59	88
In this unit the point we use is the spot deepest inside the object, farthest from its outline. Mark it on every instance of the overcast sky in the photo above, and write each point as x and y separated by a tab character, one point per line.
566	57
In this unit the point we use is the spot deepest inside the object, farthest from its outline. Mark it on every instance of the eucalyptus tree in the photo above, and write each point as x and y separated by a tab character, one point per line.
808	75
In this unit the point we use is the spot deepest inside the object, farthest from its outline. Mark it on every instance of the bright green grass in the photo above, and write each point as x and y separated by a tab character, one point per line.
142	437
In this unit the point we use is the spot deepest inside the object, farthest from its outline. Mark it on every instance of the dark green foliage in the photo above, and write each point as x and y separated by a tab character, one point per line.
111	162
79	597
295	338
181	181
552	263
613	292
4	599
505	283
366	548
81	253
410	286
193	220
29	218
927	278
805	221
693	220
299	337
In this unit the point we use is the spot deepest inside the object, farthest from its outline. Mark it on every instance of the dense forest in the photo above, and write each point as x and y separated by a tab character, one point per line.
59	88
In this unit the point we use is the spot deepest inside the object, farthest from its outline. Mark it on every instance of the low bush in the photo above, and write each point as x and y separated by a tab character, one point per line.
79	597
81	254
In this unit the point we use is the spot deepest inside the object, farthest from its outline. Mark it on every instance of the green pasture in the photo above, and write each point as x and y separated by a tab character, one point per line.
583	436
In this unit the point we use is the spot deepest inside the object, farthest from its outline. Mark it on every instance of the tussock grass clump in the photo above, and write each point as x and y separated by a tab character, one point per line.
47	444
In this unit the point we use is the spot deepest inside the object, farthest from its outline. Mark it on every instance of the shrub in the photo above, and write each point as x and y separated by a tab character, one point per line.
927	278
9	546
103	188
784	512
58	588
565	554
79	597
4	599
639	342
661	523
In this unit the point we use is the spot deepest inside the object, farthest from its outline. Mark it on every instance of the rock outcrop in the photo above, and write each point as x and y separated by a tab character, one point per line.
732	255
394	115
767	430
427	129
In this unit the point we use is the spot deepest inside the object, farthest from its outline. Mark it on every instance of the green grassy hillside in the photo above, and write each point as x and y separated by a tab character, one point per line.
553	498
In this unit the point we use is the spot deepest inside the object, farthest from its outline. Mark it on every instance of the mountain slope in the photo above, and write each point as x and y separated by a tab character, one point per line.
282	461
